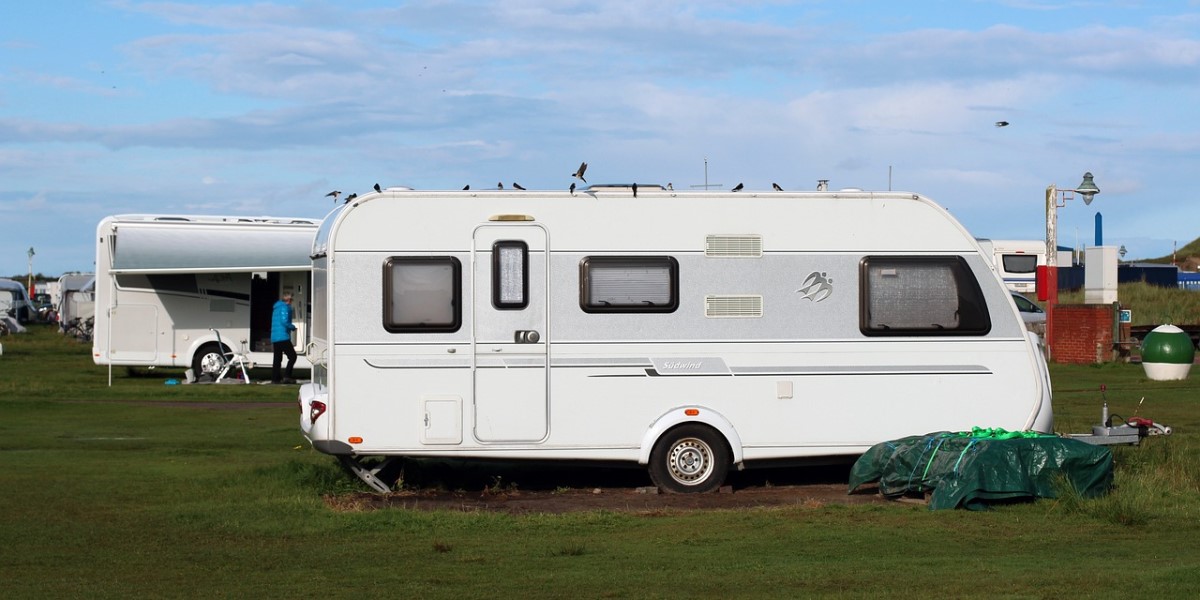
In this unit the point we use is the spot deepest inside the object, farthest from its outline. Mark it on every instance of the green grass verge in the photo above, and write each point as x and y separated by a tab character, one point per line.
148	490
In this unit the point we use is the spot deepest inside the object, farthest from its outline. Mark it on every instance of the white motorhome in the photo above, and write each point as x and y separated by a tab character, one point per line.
75	298
689	332
1016	261
164	283
14	301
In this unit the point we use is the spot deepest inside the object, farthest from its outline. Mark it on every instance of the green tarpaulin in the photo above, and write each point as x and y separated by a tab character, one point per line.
971	468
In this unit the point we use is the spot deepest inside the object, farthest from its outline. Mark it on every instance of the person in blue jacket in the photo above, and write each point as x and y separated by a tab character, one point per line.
281	339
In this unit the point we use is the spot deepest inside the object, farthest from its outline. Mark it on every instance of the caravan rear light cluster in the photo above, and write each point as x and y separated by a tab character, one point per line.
315	410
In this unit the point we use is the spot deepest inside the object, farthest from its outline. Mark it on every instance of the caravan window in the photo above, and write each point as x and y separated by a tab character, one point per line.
921	296
1019	263
422	294
510	275
628	284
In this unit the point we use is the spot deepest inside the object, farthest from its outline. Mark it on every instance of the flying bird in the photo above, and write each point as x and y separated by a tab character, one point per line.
466	187
499	185
579	173
776	187
351	197
572	188
737	188
1001	123
517	186
377	188
635	190
334	194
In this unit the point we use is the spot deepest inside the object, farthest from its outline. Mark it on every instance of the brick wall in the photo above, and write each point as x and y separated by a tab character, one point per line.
1083	333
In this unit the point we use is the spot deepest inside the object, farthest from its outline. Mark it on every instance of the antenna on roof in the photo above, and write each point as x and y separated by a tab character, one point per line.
706	184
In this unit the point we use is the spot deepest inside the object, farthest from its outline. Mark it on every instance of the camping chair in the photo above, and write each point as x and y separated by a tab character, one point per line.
231	360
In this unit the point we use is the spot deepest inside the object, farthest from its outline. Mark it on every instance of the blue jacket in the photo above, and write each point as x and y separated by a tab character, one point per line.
281	322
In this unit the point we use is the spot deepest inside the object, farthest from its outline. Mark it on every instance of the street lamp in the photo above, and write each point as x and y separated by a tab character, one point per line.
1056	199
29	285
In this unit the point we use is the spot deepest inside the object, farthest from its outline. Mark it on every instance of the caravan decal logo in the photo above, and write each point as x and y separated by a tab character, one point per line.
817	287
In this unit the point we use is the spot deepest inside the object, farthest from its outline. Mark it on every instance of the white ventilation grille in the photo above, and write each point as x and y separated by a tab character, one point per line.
745	246
733	306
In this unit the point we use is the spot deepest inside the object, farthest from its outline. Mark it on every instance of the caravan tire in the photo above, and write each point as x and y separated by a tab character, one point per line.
689	459
208	360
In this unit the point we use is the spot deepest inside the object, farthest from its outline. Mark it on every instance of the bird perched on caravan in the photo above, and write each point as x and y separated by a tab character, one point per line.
737	188
775	186
517	186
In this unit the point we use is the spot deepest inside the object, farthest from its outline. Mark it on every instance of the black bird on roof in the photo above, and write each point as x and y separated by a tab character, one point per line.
466	187
737	188
775	186
517	186
1001	123
334	194
579	172
572	188
377	188
634	190
499	185
670	187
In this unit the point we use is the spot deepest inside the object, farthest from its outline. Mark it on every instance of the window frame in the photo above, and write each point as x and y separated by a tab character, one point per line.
588	262
456	295
965	280
497	246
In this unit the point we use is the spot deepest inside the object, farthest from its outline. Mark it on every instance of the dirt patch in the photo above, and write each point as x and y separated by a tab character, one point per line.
636	500
467	487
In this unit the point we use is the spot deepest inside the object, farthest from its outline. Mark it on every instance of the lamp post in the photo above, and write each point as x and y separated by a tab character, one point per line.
29	284
1056	199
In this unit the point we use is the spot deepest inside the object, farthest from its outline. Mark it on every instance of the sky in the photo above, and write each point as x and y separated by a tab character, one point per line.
262	108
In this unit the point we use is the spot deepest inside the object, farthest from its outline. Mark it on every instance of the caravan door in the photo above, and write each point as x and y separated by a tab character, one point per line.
510	332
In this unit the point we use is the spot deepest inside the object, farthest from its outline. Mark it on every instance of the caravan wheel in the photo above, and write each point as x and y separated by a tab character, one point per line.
691	458
208	360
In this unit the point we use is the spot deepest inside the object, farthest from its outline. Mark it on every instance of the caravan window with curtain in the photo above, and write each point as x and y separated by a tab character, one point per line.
628	284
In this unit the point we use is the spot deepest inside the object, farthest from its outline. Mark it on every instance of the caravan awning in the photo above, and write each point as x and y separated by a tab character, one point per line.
191	247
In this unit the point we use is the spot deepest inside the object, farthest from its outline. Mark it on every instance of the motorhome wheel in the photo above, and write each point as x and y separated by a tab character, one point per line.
208	360
691	458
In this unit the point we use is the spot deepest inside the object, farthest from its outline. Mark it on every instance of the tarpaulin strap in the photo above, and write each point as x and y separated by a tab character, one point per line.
930	463
962	454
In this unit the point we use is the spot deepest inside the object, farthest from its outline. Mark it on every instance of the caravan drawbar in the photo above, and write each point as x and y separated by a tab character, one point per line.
688	332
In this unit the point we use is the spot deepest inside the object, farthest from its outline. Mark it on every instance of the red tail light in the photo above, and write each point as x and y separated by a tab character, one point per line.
315	410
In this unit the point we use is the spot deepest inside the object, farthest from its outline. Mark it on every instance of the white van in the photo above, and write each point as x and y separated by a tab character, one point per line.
1017	262
689	332
164	283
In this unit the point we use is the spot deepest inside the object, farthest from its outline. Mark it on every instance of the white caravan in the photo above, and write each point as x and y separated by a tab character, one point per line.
1016	262
165	283
14	301
75	298
689	332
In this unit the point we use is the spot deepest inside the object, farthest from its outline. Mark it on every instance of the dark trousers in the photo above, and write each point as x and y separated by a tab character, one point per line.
282	348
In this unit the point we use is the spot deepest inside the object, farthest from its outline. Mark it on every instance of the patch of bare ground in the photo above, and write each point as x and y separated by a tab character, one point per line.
556	490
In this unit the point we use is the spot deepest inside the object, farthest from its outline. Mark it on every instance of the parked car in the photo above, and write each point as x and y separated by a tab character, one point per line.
1032	314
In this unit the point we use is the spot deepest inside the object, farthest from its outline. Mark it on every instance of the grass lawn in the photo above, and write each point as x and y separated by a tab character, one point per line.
149	490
